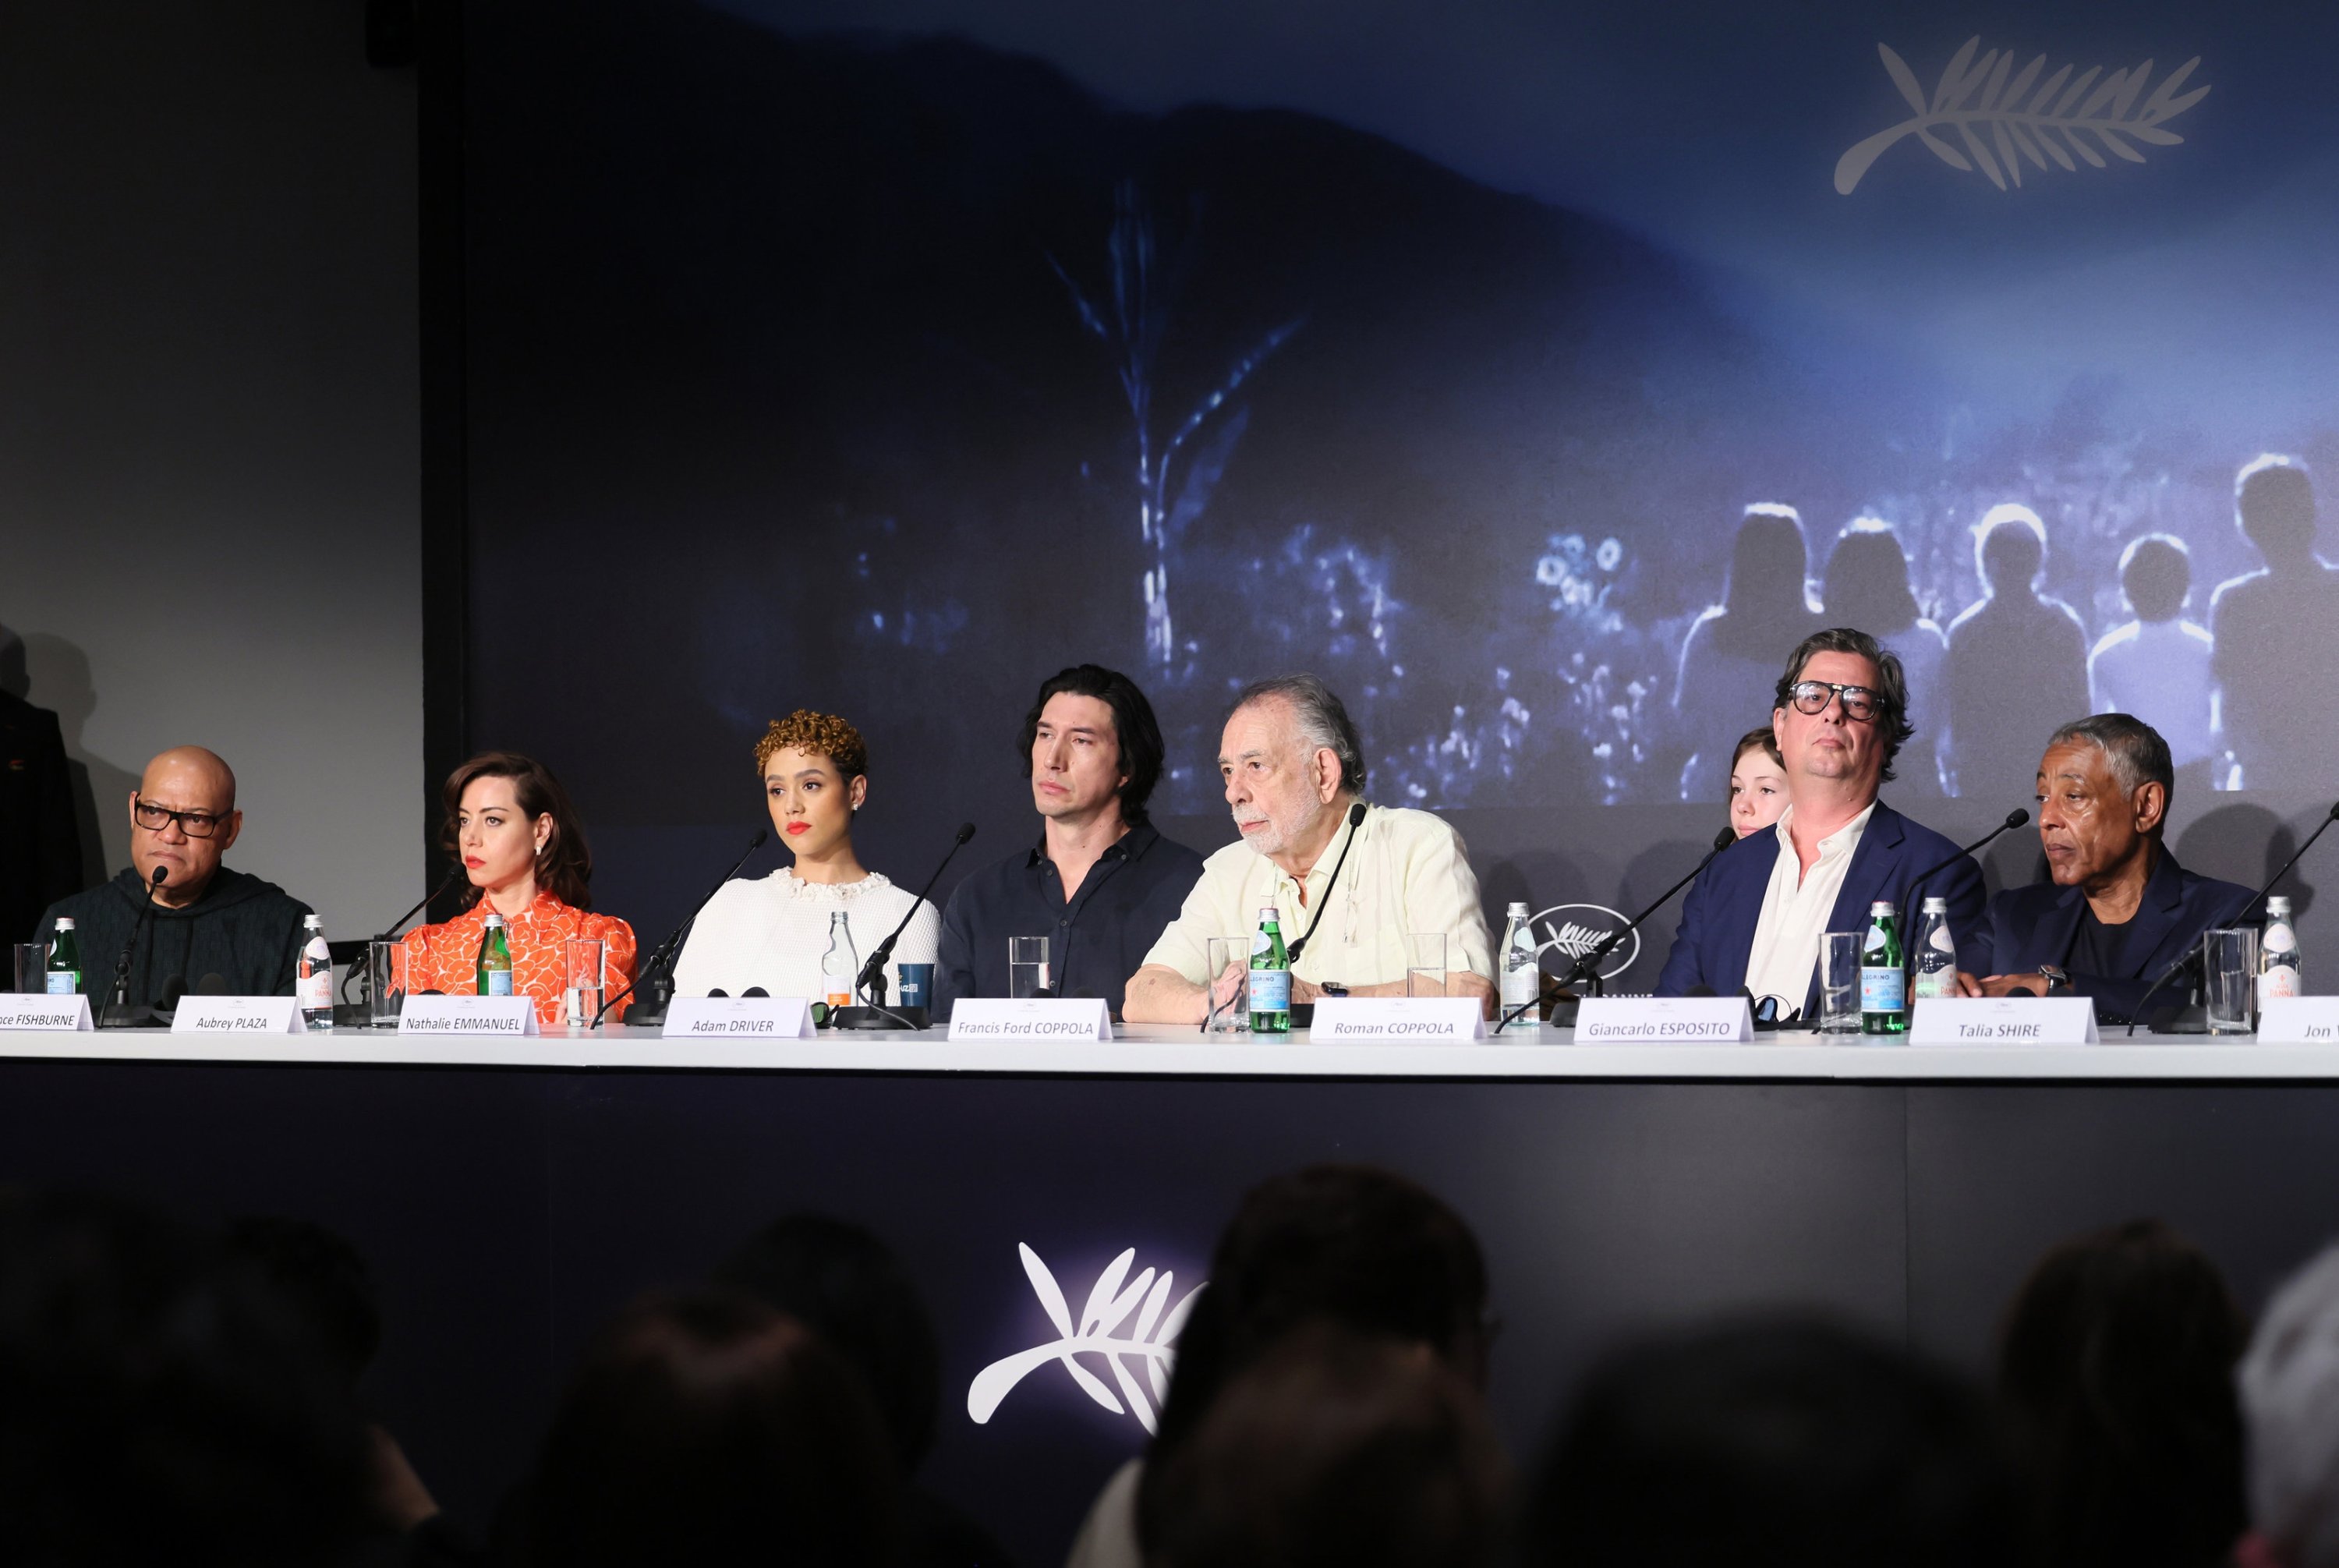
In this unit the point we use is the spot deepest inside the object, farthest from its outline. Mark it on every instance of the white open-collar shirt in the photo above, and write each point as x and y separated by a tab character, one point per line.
1796	908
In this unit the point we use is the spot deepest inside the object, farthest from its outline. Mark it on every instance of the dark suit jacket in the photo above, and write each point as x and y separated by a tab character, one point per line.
40	847
2029	926
1726	904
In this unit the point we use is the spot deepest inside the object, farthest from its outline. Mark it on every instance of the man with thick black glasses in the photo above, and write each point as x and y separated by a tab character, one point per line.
1754	919
205	918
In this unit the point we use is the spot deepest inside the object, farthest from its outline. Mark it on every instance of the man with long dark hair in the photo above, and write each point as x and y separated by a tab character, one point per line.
1101	883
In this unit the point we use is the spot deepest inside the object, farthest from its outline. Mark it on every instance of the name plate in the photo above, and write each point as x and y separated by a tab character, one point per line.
2001	1020
2299	1020
239	1015
1664	1021
60	1014
738	1018
1398	1018
1030	1017
473	1015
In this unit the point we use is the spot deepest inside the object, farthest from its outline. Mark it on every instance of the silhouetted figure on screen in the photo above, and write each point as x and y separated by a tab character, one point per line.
2157	666
1730	659
1867	586
2017	663
2276	628
40	842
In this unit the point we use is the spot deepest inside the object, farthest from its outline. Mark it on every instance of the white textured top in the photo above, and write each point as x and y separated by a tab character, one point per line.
772	932
1795	912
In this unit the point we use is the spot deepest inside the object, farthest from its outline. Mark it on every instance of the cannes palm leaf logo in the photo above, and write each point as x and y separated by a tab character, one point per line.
2000	123
1150	1345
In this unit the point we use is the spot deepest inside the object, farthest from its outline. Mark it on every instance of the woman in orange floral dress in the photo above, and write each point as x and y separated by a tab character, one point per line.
511	823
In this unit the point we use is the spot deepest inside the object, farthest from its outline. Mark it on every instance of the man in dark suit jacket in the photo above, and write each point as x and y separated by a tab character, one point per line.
2119	910
1755	916
40	848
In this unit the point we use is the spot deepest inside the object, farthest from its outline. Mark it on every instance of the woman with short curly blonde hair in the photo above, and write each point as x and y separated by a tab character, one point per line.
772	932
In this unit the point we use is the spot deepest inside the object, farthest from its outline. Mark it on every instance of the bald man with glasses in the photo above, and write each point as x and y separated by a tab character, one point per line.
1755	918
205	918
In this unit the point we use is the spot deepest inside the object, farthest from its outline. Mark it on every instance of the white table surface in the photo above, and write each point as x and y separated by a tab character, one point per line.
1166	1051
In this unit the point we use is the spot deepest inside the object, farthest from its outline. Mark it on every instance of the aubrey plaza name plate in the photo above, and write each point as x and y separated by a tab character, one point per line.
2002	1020
238	1015
1398	1018
1664	1021
1030	1017
472	1015
738	1018
62	1014
2299	1020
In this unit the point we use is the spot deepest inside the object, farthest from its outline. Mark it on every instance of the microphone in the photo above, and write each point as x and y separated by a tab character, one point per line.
751	990
118	1013
1587	968
212	985
871	982
1324	901
714	991
2014	819
661	984
2255	900
174	990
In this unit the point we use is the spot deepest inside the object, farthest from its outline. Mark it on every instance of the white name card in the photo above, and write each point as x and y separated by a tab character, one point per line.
1664	1021
473	1015
1398	1018
738	1016
1030	1017
2002	1020
2299	1020
239	1015
63	1014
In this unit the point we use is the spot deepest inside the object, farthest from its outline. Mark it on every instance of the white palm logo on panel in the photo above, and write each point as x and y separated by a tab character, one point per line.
1150	1344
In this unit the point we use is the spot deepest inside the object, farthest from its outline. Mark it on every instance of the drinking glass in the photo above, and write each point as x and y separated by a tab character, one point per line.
1027	965
1425	963
1223	953
32	967
386	983
585	964
2230	974
1840	981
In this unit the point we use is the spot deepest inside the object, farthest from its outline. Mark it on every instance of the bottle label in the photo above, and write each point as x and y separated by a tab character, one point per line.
499	983
1882	989
63	981
1936	982
2280	980
1270	991
315	988
1521	980
2280	937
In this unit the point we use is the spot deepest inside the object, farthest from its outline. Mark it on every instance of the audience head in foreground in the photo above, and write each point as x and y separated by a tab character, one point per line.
2116	1364
1783	1442
1334	1449
2289	1385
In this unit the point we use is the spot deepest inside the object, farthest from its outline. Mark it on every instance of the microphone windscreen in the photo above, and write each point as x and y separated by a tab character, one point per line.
1356	814
1699	990
212	985
965	832
1726	837
754	990
762	833
716	990
2022	990
174	989
161	873
2017	817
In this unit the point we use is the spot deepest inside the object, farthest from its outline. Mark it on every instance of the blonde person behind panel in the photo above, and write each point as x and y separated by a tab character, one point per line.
772	932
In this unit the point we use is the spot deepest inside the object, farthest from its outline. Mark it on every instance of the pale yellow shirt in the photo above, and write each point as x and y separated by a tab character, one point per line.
1407	872
1796	911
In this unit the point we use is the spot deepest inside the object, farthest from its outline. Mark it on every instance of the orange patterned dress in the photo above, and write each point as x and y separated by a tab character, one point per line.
445	957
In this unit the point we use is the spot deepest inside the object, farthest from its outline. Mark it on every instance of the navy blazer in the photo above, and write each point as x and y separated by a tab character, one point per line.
1726	904
2029	926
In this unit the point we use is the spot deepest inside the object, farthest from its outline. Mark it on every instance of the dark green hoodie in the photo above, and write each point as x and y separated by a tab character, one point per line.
245	931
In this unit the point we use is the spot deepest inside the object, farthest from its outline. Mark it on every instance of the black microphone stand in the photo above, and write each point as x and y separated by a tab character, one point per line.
2184	1022
656	971
871	982
1586	969
2014	819
118	1013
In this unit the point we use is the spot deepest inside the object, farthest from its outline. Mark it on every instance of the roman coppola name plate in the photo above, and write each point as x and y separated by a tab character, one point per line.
238	1015
2002	1020
738	1018
1030	1017
1392	1019
1664	1021
478	1016
59	1014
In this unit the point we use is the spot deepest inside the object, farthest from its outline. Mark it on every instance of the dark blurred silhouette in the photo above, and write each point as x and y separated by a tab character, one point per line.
1867	586
40	837
705	1429
1334	1450
1731	658
2116	1360
2018	664
1784	1442
2276	628
845	1285
2158	665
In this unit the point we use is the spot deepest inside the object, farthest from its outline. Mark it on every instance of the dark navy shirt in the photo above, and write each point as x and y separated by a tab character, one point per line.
1094	943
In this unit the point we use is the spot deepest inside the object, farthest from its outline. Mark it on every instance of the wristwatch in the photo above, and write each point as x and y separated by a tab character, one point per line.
2055	977
1333	988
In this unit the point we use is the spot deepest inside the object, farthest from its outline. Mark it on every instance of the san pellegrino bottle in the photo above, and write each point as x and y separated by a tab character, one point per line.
313	981
840	966
495	971
1271	977
2280	971
1522	977
1883	974
1937	951
63	974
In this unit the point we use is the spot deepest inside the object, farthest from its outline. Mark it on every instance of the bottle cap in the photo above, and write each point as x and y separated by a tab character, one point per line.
2278	905
1518	910
64	923
1270	913
313	922
494	919
1881	906
1937	906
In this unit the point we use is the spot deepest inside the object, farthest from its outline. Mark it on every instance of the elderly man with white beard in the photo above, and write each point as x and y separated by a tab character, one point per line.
1294	777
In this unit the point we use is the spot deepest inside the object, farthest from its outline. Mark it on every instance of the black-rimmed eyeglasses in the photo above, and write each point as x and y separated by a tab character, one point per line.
194	823
1860	703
